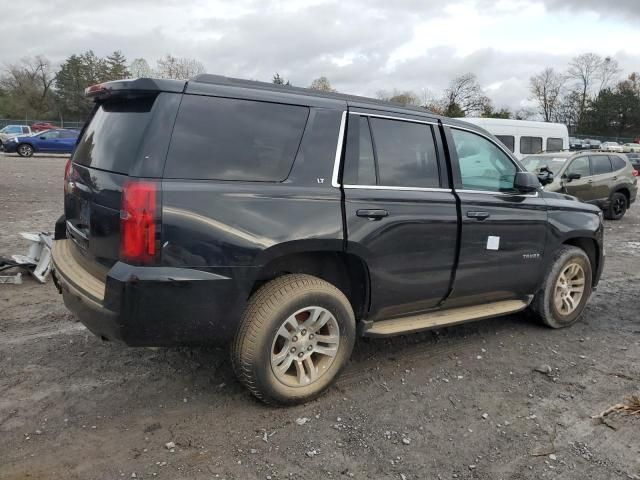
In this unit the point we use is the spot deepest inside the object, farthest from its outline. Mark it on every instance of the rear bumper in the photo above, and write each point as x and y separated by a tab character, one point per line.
150	306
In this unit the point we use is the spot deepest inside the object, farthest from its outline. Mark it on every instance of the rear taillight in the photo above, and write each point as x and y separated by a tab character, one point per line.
138	221
67	170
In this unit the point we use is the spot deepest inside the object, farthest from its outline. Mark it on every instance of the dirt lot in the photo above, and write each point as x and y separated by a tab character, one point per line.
461	402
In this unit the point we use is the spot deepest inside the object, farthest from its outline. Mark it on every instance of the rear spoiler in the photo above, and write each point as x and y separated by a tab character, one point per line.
134	86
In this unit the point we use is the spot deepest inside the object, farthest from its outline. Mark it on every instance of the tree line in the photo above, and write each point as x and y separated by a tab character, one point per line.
589	96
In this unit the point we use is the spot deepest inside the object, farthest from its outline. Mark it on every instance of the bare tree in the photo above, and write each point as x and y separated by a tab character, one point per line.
322	84
609	71
29	83
140	68
405	97
546	88
586	70
178	68
464	96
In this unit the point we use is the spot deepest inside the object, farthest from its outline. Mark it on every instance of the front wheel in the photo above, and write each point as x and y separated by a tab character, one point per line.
295	336
617	207
566	289
25	150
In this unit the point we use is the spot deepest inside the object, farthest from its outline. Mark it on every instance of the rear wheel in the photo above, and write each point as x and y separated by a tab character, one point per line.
617	207
295	336
566	289
24	150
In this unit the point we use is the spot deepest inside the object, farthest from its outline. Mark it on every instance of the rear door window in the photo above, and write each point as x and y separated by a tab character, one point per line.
359	165
231	139
530	145
405	153
600	164
114	134
617	163
508	141
554	144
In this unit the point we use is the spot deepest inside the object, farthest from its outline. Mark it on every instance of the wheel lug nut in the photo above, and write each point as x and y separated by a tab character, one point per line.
295	339
304	332
309	348
293	349
301	355
311	336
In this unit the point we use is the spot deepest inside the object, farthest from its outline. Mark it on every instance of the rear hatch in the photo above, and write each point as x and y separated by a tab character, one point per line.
124	142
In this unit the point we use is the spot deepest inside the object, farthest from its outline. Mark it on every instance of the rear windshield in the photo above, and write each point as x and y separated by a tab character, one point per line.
534	163
231	139
114	134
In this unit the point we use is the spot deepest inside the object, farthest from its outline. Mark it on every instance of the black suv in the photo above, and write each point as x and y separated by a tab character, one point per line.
285	222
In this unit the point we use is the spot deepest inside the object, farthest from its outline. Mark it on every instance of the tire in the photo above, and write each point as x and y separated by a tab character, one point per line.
617	207
544	306
24	150
259	345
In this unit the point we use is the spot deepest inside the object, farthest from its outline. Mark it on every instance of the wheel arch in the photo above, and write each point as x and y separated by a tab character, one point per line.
348	272
591	248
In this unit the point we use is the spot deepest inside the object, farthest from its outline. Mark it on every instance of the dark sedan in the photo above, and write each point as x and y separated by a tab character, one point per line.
52	141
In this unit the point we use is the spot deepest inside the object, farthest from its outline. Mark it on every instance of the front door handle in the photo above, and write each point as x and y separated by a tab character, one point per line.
478	215
372	214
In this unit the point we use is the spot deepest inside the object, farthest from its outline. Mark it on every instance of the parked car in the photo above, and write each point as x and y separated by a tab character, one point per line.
42	126
285	222
50	141
593	144
611	147
631	147
11	131
608	181
577	144
634	158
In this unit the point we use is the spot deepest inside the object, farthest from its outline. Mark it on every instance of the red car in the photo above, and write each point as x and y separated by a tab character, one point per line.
41	126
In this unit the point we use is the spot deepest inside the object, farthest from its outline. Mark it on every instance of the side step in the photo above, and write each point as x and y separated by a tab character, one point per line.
442	318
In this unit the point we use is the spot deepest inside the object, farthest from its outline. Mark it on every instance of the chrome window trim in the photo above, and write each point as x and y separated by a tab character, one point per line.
491	192
398	188
339	148
390	117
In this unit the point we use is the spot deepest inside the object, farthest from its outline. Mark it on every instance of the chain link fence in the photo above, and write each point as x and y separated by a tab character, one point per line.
605	138
61	124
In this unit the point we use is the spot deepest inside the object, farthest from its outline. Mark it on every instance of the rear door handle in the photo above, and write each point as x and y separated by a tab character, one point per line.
372	214
478	215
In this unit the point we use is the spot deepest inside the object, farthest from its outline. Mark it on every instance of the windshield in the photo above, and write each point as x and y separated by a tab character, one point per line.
534	163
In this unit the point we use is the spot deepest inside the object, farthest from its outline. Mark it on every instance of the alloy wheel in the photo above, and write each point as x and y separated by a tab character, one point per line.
569	288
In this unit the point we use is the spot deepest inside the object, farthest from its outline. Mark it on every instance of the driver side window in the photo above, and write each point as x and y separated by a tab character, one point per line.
49	135
580	166
483	166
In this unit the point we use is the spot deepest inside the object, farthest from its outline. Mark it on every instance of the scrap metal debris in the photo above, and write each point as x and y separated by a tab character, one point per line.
37	261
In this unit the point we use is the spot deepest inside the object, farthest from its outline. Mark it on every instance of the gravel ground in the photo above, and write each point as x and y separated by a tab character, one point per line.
462	402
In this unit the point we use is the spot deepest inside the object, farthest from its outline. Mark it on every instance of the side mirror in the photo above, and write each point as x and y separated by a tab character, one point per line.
573	176
43	138
526	182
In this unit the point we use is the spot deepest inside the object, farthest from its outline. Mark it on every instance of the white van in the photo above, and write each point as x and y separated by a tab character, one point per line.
524	137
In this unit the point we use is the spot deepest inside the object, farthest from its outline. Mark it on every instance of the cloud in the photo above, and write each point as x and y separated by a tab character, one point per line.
362	46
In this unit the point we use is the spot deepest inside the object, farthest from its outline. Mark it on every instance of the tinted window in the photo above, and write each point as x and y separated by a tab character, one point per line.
25	129
508	141
231	139
406	153
68	134
359	166
483	166
50	135
580	166
555	145
113	135
600	164
529	145
617	163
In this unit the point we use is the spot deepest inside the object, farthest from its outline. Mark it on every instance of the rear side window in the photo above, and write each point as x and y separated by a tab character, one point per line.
359	164
508	141
230	139
114	134
600	164
405	153
530	145
617	163
554	144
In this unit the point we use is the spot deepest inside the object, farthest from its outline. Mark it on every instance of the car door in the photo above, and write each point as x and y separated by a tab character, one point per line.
602	179
66	142
503	231
580	187
48	141
400	214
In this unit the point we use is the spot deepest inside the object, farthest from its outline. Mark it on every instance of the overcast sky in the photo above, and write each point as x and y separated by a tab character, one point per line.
362	46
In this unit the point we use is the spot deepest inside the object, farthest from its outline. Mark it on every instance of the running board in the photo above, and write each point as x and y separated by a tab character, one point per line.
442	318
